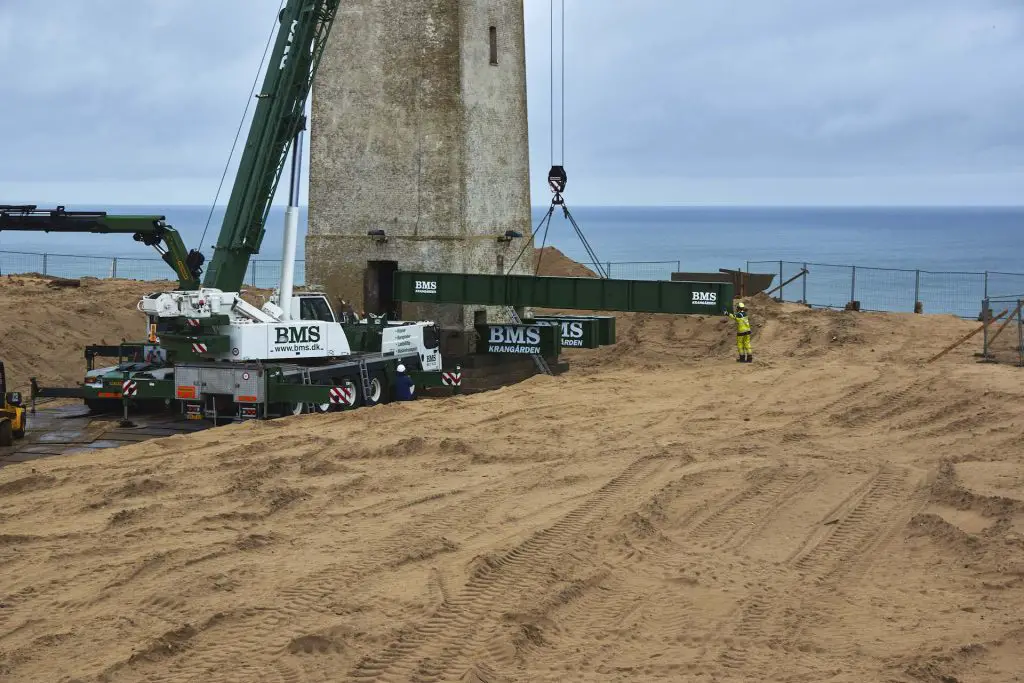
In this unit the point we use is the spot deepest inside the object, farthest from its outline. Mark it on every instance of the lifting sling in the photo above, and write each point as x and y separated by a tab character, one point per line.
557	177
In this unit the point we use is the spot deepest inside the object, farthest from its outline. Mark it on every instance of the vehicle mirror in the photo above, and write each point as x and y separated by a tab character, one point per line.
14	398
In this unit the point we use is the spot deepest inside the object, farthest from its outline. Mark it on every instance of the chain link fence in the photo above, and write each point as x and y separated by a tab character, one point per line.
262	273
824	286
638	270
829	285
1003	331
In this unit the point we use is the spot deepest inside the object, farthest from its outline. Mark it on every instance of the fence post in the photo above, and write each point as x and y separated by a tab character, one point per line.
782	297
918	308
985	315
608	268
803	299
679	266
113	268
44	264
986	285
1020	333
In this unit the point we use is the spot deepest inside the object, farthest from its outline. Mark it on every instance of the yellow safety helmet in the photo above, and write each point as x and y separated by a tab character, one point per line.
741	305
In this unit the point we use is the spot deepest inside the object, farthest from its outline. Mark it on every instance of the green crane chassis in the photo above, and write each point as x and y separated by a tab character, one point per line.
144	380
237	391
240	391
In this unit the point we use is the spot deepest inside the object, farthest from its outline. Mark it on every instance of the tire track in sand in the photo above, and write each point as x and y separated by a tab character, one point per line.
851	536
433	649
727	526
735	521
255	637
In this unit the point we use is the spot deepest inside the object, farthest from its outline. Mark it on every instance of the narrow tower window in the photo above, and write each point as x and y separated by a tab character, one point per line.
494	44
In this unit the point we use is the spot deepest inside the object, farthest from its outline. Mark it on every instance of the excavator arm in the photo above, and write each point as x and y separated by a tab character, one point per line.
277	121
152	231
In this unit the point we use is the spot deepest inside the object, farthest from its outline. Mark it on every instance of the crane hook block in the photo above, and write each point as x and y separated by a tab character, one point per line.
557	179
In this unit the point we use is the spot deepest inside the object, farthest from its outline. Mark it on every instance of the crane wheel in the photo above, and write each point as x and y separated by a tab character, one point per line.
379	390
6	434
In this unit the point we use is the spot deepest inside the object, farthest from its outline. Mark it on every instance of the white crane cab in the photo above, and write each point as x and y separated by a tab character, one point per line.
398	337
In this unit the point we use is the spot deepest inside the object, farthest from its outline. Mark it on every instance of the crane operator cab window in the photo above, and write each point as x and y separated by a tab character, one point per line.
431	337
315	308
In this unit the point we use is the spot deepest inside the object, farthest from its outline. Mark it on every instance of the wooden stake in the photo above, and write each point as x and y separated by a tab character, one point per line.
1006	322
803	271
968	336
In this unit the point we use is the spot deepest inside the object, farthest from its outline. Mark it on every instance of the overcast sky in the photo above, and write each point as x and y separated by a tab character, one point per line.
667	101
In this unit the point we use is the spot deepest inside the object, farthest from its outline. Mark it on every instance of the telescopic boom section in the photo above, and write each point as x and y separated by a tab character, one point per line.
279	117
152	231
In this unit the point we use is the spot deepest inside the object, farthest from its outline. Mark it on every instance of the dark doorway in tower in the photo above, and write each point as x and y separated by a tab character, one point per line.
379	289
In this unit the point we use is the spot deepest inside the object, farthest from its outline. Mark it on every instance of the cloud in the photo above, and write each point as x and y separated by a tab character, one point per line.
127	91
799	89
662	97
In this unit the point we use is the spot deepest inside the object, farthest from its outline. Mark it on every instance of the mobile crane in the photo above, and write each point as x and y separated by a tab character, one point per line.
226	358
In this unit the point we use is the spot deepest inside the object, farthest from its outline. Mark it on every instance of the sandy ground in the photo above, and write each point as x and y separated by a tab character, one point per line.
47	328
836	511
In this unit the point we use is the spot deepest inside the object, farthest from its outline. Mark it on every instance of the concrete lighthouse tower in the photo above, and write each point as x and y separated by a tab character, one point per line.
419	150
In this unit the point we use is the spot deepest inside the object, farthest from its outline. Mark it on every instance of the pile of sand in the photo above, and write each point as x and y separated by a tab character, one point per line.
552	262
47	328
838	510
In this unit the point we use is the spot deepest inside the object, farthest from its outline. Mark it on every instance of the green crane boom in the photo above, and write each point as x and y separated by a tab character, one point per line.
277	121
152	231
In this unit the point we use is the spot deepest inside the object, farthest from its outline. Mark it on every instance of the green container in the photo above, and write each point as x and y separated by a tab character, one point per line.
519	339
605	325
567	293
577	333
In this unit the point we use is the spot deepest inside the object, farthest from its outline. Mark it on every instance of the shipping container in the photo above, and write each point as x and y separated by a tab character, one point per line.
605	324
519	339
577	333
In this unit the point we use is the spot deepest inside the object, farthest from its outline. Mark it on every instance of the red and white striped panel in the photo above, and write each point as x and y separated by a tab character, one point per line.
199	348
129	388
451	379
345	395
192	322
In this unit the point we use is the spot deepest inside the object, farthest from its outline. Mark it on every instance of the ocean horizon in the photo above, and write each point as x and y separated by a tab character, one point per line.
969	238
884	257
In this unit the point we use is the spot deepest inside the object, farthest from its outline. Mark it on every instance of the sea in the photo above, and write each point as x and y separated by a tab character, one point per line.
652	242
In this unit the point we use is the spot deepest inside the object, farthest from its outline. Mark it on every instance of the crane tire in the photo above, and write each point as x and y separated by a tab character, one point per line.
381	381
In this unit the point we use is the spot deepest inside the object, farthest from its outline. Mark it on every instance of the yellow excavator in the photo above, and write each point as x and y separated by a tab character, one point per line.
12	413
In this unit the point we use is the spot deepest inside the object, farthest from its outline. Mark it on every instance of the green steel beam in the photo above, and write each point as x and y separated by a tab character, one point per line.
565	293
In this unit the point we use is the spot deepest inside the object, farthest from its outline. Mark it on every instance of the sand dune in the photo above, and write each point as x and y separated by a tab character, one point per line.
46	329
838	511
